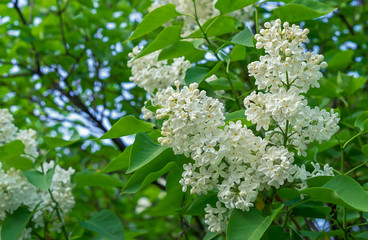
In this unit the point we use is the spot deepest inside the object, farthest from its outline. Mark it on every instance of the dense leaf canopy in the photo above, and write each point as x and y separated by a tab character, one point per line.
64	72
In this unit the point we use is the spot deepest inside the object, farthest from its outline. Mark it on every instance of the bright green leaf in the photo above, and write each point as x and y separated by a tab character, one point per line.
182	48
195	74
339	59
119	163
199	74
155	19
341	190
144	150
10	156
249	225
38	179
128	125
150	172
167	37
244	38
96	180
210	235
105	223
139	180
238	53
302	10
14	224
226	6
218	26
362	121
238	115
54	142
222	83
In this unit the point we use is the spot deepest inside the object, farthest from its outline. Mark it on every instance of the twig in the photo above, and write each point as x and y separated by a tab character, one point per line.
215	53
58	215
31	6
61	26
16	75
343	18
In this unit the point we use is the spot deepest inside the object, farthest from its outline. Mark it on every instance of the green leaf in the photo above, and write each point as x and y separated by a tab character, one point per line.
172	202
235	115
362	121
182	49
14	224
105	223
249	225
312	211
96	180
226	6
318	181
217	26
238	115
244	38
150	172
302	10
119	163
139	180
167	37
210	235
38	179
128	125
199	74
340	59
365	149
54	142
10	156
200	203
340	190
355	84
144	150
195	75
150	107
288	193
222	83
155	19
238	53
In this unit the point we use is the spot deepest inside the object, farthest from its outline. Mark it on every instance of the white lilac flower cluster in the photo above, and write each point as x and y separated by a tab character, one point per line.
230	159
9	132
205	10
151	74
284	73
16	190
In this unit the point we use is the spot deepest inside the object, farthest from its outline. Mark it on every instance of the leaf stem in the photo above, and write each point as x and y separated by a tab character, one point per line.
59	215
286	133
351	139
212	48
256	18
56	208
355	168
342	155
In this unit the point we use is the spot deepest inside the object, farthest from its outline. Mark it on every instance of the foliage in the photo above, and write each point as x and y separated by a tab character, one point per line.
64	72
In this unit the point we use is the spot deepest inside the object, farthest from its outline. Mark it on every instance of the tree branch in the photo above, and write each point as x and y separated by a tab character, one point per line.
61	26
343	18
31	6
16	75
19	12
37	55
